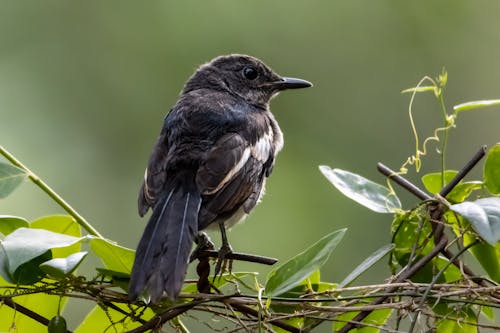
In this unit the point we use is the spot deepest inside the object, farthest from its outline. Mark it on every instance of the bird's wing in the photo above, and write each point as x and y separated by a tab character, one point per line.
154	175
232	176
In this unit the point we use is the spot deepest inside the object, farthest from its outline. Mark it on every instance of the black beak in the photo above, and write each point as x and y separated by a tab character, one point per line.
291	83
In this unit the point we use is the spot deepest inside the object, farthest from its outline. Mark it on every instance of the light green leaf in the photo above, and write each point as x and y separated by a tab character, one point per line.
25	244
488	256
365	192
492	170
45	305
483	215
114	256
419	89
366	264
298	268
463	190
457	324
377	318
10	178
475	105
10	223
61	267
433	181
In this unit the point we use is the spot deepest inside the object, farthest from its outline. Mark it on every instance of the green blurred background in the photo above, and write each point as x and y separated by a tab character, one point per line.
84	87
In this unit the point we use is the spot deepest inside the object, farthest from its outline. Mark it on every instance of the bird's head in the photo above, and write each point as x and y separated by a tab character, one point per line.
243	76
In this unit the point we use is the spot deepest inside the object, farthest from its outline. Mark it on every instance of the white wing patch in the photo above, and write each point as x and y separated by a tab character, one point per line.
233	171
262	148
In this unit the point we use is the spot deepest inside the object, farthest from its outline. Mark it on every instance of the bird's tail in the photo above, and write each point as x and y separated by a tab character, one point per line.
162	255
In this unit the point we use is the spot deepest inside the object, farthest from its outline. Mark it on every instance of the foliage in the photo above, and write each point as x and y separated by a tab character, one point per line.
431	284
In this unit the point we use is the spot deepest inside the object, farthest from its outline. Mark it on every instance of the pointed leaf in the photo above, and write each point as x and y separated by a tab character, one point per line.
492	170
475	105
298	268
10	178
419	89
366	264
61	267
114	256
365	192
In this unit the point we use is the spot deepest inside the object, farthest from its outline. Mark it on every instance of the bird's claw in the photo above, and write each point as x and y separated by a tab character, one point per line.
223	264
203	243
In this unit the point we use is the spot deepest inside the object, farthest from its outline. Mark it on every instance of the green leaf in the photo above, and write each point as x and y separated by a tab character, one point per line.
25	244
43	304
457	322
475	105
366	264
298	268
98	320
62	224
365	192
10	223
433	184
113	256
492	170
433	181
419	89
463	190
61	267
483	215
488	256
376	318
10	178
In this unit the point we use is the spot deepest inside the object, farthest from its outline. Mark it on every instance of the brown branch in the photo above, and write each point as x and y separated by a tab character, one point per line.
27	312
239	256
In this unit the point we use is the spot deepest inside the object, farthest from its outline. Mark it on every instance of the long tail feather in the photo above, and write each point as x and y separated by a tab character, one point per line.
162	255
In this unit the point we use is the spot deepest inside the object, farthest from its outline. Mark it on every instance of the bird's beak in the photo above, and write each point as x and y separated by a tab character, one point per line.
291	83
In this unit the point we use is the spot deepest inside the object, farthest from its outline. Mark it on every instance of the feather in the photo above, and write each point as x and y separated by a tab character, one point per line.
163	251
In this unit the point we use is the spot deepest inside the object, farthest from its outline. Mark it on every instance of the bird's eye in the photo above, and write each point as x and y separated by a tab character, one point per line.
250	73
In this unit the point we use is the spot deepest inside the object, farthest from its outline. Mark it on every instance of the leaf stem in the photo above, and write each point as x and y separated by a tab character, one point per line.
51	193
445	138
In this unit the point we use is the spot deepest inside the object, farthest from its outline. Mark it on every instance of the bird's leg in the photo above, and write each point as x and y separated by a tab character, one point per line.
224	250
203	243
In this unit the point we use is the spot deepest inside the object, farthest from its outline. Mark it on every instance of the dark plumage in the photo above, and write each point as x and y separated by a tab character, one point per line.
216	148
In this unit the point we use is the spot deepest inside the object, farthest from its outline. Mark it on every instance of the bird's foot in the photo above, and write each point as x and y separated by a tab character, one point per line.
203	243
223	264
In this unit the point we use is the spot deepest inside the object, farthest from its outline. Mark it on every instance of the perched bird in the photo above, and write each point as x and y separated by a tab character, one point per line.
208	167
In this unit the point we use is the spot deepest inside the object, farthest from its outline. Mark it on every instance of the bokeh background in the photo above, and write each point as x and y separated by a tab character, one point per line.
84	87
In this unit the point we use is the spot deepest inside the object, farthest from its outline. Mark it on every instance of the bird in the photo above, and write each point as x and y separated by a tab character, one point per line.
208	168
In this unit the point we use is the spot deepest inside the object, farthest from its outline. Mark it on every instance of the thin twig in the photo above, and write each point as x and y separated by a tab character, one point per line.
402	277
